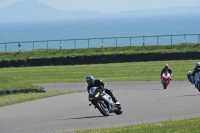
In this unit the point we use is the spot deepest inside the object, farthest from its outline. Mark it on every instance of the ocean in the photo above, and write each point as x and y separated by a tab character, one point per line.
70	34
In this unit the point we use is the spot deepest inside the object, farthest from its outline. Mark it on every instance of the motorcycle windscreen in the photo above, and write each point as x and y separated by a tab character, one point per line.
91	93
166	75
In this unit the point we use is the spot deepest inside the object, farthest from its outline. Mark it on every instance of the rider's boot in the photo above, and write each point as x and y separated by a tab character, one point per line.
115	100
109	92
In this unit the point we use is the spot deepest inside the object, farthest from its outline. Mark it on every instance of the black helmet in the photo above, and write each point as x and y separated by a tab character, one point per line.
90	79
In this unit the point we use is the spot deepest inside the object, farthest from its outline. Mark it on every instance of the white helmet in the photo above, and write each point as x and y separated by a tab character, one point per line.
198	65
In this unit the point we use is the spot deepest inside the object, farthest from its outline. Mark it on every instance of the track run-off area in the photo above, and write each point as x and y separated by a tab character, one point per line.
141	101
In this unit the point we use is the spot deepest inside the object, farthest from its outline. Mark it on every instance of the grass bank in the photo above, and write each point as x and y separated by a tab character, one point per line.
42	53
23	77
176	126
21	97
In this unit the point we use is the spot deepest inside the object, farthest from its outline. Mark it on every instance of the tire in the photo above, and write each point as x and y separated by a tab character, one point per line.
164	86
104	111
198	86
119	111
190	79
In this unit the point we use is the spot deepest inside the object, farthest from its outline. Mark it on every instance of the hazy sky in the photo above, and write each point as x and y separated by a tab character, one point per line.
110	6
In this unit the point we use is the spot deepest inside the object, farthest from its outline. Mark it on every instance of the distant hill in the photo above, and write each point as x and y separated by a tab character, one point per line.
33	10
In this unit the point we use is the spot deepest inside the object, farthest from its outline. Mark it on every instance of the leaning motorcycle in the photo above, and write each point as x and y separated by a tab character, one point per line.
190	77
103	102
166	78
197	81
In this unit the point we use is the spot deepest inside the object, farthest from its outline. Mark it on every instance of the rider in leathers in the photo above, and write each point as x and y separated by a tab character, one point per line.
166	68
196	69
98	83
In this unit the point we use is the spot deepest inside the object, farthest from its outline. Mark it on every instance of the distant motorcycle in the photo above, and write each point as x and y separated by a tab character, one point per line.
190	77
197	81
103	102
166	78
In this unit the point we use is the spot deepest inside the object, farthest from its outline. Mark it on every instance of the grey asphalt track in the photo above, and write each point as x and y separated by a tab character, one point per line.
142	102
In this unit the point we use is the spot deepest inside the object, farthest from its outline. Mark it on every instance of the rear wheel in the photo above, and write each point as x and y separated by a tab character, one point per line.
103	107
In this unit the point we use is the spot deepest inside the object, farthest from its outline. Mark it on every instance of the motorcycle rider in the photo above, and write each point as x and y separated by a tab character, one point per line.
195	70
98	83
166	68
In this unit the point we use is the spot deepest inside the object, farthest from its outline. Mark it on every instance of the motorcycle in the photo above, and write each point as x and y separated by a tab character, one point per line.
190	77
103	102
166	78
197	81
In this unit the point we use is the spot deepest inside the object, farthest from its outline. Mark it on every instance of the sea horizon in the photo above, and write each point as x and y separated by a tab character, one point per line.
98	28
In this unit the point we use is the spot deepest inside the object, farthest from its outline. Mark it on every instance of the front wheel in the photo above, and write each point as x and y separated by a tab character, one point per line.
190	78
164	86
118	111
165	83
103	107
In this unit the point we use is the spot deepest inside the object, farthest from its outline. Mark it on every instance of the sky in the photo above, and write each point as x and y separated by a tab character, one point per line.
110	6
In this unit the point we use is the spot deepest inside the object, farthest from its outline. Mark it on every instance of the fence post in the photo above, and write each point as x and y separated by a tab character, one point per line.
130	41
47	46
184	41
199	39
74	43
116	42
33	47
19	45
171	40
5	47
143	43
88	43
60	45
157	40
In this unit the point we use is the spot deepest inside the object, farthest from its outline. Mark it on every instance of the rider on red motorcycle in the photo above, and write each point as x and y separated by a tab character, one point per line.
166	68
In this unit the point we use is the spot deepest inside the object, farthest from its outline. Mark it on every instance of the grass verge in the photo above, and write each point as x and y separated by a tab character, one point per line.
176	126
23	77
42	53
21	97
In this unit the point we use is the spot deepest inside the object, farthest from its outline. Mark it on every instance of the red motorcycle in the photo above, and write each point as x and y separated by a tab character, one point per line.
166	78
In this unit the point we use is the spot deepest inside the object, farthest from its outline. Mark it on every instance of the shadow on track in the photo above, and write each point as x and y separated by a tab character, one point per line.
85	117
189	95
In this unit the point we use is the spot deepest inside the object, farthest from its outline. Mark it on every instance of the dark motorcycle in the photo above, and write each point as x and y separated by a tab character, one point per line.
190	77
103	102
197	81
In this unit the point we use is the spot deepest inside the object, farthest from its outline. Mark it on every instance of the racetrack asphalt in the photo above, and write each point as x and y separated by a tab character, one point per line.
142	102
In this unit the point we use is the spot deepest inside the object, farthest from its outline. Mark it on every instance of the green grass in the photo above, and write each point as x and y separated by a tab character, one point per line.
96	51
23	77
21	97
176	126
